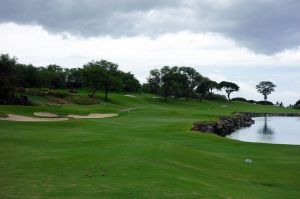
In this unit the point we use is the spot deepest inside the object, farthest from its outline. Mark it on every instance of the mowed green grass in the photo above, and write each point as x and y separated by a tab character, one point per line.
147	152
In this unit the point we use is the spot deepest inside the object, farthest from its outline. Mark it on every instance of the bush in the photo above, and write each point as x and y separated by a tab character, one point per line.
22	100
214	96
17	100
296	107
265	103
239	99
252	101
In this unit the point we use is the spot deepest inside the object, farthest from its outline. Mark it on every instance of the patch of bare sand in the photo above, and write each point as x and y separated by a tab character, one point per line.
45	114
94	116
23	118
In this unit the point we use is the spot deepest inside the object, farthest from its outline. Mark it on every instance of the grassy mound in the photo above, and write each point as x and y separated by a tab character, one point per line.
146	152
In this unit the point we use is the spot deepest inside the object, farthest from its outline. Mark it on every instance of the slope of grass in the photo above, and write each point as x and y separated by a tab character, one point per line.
147	152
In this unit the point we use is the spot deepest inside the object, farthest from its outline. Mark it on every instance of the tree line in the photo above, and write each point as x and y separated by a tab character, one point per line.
184	82
168	81
94	75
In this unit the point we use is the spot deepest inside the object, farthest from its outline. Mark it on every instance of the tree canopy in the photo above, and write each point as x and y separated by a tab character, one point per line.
229	87
265	88
94	75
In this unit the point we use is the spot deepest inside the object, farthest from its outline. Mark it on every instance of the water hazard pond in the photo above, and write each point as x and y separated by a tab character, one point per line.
276	130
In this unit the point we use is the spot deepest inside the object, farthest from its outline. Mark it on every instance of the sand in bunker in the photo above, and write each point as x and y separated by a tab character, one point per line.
45	114
22	118
94	116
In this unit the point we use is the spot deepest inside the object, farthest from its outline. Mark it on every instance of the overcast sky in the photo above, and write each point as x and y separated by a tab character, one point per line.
244	41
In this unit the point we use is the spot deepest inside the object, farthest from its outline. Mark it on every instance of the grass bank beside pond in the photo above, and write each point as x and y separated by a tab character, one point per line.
148	151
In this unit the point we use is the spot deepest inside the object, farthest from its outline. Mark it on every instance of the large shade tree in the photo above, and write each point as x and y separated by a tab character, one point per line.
92	74
265	88
101	74
229	87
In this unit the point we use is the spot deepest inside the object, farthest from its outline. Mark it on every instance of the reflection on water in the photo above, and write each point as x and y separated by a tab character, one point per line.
266	131
279	130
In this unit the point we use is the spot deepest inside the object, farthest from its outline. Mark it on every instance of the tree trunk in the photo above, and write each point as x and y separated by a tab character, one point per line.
200	98
228	95
265	98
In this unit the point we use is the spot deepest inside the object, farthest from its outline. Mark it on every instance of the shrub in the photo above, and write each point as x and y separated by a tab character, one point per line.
214	96
18	100
239	99
252	101
265	103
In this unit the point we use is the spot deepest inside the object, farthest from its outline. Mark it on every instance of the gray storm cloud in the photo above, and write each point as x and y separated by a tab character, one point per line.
265	26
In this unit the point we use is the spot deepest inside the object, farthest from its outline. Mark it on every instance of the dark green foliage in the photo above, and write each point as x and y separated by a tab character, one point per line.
73	78
95	75
92	76
297	105
8	79
213	85
214	96
146	88
130	83
185	82
29	76
252	101
189	80
154	81
101	74
229	87
240	99
265	103
203	86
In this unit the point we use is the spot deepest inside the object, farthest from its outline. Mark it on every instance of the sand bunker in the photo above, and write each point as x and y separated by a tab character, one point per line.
93	116
22	118
45	114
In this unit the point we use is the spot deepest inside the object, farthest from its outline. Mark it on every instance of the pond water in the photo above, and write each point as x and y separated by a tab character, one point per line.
276	130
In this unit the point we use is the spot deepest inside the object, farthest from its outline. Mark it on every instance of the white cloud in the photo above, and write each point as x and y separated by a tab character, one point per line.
212	54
